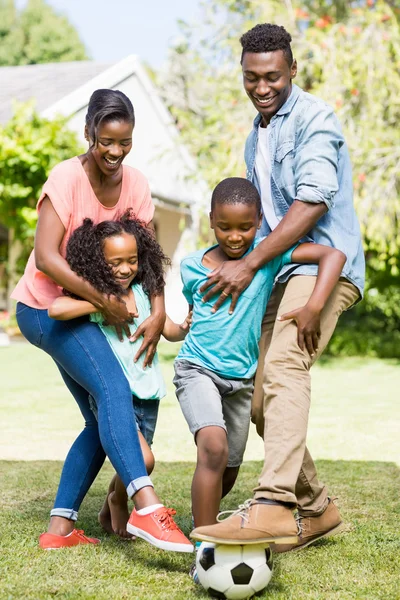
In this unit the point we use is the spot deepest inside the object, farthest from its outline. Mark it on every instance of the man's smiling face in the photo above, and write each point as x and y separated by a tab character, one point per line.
267	79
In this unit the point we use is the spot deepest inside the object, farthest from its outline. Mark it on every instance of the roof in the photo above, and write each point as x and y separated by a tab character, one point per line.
65	88
47	83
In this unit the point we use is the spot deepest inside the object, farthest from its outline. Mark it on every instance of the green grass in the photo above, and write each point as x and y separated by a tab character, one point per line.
354	428
361	563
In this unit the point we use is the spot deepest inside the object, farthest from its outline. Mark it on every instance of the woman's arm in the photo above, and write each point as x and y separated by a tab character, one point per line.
330	264
65	308
174	332
49	235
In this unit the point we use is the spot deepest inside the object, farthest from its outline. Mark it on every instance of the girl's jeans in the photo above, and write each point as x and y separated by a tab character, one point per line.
88	366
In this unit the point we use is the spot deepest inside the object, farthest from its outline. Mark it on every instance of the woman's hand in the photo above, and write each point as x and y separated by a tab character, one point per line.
115	313
151	330
308	326
229	279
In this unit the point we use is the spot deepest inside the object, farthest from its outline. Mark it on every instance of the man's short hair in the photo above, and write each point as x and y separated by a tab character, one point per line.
236	190
267	37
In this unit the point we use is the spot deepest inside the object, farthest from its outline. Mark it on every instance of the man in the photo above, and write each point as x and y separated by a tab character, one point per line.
297	158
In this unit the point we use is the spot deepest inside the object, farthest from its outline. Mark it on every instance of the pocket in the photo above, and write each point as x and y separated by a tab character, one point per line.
21	307
283	150
29	323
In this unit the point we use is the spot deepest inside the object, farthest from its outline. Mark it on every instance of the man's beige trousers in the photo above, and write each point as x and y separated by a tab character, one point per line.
281	400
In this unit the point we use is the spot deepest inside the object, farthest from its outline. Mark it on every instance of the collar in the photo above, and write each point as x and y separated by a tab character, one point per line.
285	108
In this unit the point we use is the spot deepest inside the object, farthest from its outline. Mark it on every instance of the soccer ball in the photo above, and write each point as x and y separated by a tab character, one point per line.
234	572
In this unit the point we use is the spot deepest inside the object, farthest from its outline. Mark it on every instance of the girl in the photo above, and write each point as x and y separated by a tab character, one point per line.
95	185
122	258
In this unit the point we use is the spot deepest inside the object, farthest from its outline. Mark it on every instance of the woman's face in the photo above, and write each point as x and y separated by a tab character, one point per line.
114	142
121	254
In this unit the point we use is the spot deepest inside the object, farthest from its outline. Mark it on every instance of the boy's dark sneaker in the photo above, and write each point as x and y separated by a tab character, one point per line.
193	573
159	529
314	528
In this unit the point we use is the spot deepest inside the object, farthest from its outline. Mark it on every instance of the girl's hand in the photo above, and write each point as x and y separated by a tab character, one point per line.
151	330
116	313
308	326
185	326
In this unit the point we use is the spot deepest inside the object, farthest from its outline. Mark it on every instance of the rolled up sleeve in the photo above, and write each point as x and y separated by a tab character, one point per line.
319	139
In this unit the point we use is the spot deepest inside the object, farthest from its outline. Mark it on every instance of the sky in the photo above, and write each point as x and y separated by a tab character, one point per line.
112	29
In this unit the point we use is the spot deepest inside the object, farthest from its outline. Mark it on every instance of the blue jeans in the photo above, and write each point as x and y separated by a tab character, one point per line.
88	366
146	414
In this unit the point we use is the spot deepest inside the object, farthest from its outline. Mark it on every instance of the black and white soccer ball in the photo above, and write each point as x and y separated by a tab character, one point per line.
234	572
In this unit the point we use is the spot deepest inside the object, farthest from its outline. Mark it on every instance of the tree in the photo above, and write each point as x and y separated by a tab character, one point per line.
36	35
30	147
349	55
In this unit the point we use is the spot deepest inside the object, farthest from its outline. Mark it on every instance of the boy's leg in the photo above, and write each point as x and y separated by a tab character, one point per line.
229	479
199	393
212	457
236	407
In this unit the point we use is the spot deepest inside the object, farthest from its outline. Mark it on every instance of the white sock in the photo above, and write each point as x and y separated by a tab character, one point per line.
149	509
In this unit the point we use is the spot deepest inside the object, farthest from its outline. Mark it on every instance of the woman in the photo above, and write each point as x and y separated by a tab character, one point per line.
94	185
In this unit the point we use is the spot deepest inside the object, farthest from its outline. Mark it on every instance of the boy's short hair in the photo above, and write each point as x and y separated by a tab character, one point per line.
267	37
236	190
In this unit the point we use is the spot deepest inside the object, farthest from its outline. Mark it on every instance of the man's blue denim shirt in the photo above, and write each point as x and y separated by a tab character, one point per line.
310	162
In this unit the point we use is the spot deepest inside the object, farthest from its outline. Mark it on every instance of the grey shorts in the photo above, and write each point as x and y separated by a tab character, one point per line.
207	399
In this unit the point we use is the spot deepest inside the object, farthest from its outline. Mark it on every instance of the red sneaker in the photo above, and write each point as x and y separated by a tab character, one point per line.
159	528
50	541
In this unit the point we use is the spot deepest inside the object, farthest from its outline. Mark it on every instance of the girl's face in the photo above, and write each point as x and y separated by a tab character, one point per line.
114	142
121	254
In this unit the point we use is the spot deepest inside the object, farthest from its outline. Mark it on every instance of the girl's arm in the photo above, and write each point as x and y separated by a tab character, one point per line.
49	235
174	332
65	308
330	264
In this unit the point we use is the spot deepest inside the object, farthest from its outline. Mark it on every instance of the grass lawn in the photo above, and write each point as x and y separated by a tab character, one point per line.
354	429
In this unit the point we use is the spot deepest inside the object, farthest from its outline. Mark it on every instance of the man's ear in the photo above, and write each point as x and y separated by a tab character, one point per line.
293	69
260	220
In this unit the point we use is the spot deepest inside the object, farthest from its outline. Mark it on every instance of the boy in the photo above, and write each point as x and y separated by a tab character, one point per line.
215	367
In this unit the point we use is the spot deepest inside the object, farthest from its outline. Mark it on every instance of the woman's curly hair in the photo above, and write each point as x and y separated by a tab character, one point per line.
85	255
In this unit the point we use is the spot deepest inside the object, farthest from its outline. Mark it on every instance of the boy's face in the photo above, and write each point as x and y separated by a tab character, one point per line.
235	227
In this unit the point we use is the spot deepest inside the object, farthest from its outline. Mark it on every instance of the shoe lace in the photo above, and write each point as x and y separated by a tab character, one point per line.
80	533
242	511
165	519
300	525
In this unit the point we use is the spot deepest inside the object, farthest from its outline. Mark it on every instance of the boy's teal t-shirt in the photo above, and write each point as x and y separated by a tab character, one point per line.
227	344
146	383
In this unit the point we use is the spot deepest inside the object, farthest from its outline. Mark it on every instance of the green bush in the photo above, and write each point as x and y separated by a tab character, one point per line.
372	328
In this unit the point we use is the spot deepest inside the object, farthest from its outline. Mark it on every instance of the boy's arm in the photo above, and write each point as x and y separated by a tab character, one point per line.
330	264
174	332
65	308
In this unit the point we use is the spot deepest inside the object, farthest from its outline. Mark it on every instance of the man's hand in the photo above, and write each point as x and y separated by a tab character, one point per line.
308	326
151	330
229	279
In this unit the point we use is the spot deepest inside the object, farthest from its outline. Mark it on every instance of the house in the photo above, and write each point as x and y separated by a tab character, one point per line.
65	88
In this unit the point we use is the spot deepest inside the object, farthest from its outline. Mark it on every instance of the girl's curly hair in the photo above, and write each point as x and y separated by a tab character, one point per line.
85	255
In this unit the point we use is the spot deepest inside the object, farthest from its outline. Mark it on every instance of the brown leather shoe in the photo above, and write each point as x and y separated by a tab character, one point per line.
312	529
253	523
